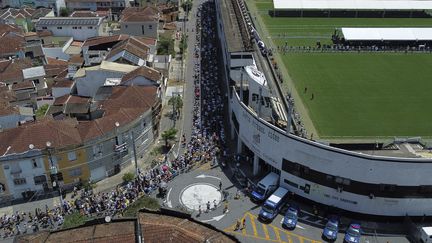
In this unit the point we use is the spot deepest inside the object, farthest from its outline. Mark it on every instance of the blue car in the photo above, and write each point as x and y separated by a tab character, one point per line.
331	229
353	233
290	219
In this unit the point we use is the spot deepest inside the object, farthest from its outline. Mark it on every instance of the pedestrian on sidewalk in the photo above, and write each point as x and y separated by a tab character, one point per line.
220	185
199	211
237	227
225	207
215	204
208	206
244	223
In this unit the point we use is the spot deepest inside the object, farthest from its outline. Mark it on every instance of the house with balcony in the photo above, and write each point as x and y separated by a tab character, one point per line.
79	28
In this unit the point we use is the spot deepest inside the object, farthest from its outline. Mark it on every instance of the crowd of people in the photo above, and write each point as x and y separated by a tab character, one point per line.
205	145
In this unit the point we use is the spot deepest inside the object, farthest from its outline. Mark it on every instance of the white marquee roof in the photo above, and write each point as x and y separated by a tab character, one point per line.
353	4
395	34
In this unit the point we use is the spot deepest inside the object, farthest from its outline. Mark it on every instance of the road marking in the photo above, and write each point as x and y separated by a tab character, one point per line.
207	176
276	230
264	236
253	225
266	233
169	204
216	218
299	226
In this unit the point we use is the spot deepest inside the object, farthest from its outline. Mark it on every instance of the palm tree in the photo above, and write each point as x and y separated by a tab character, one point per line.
168	135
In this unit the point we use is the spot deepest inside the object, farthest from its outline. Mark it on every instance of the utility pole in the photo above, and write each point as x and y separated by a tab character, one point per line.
134	153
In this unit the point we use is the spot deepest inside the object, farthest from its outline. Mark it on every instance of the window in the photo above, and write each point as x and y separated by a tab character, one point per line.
72	156
90	27
34	163
59	27
126	26
44	27
150	27
75	172
79	27
74	27
19	181
97	150
142	29
39	179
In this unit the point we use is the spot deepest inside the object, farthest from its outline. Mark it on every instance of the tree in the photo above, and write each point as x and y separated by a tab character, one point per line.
168	135
165	46
64	12
176	102
128	177
183	43
187	5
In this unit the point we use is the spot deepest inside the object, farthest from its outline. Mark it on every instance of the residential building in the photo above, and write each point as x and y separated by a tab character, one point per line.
37	76
136	111
10	116
164	225
57	47
145	76
12	45
133	51
90	79
62	87
50	4
27	161
11	70
79	28
140	21
114	6
95	49
24	16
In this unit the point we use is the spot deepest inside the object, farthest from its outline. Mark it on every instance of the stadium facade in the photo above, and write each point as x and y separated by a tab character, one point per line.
374	184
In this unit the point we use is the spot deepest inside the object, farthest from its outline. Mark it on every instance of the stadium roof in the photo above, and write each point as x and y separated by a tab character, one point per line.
386	34
353	4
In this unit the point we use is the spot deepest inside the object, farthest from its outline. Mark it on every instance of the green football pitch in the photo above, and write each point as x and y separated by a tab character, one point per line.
356	94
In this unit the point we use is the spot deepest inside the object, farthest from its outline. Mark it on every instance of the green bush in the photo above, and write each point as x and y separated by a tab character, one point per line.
144	202
74	220
165	46
128	177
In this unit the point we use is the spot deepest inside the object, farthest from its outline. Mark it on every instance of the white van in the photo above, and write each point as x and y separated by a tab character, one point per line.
426	234
273	204
265	187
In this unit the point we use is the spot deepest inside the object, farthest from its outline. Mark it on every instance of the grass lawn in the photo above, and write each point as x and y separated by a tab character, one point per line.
355	95
365	94
306	31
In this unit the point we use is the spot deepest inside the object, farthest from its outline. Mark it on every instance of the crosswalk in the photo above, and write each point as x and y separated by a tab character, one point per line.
266	232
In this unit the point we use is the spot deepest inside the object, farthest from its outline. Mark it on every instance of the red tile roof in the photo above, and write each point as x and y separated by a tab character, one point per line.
11	43
132	45
60	133
124	105
136	14
55	61
11	70
63	84
27	84
148	73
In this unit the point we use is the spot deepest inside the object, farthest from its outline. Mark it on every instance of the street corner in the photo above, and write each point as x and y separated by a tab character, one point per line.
249	229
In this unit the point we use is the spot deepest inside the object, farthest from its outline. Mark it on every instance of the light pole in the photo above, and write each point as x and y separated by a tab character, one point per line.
54	173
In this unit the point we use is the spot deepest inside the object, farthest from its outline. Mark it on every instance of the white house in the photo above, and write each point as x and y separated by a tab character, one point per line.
79	28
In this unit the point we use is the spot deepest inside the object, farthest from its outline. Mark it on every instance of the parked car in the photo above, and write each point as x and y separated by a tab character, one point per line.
331	229
353	233
291	217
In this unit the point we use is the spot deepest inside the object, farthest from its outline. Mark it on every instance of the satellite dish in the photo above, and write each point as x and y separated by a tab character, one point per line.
107	219
31	146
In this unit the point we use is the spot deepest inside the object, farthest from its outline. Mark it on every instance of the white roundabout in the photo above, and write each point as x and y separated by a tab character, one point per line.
198	194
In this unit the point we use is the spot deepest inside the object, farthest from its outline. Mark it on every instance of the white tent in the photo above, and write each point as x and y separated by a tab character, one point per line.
352	4
387	34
